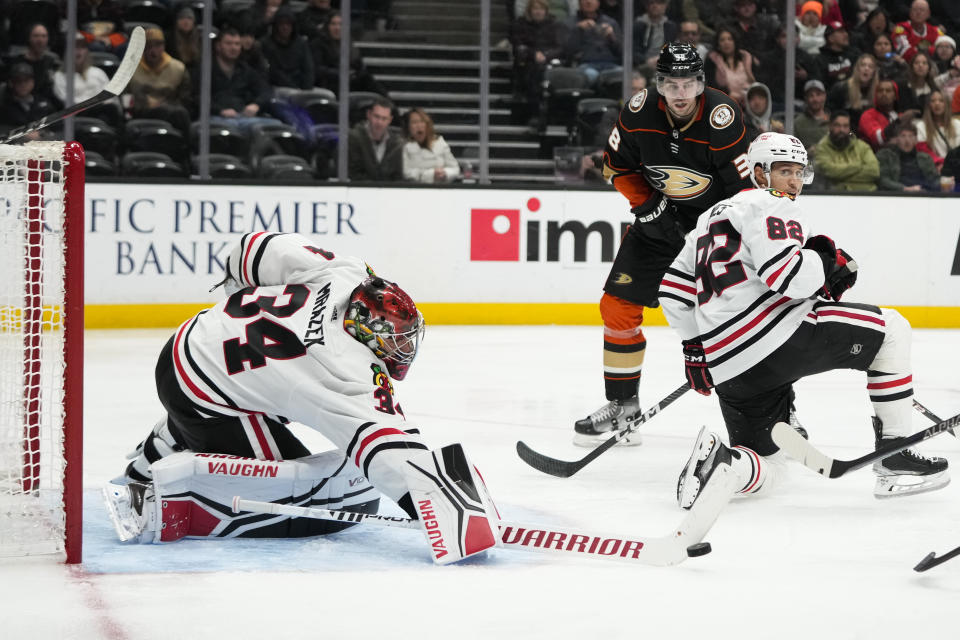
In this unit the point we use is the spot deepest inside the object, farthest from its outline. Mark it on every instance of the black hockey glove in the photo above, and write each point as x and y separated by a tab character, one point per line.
695	363
839	268
657	218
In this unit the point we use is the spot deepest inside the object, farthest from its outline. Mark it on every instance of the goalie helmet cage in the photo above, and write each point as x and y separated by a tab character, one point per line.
41	349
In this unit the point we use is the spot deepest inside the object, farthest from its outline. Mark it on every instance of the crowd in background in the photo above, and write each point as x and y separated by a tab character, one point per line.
875	80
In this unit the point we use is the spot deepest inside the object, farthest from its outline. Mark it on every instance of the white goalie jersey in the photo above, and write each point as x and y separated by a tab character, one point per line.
276	346
743	283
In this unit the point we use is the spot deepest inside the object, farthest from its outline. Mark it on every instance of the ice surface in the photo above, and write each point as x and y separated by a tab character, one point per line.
820	558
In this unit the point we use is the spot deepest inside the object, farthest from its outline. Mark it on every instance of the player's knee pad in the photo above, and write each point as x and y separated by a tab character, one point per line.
758	474
621	318
452	502
194	492
894	353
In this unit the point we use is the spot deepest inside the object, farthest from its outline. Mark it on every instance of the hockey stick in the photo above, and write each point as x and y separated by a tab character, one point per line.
932	416
799	449
565	469
673	548
931	560
125	71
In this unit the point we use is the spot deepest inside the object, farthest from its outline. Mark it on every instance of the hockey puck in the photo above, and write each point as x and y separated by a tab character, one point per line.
699	549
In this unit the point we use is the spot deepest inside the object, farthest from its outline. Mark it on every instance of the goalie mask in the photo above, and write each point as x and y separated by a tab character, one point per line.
384	318
768	148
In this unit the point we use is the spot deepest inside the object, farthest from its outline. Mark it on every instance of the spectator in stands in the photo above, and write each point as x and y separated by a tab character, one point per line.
261	15
876	23
325	50
891	64
594	41
770	70
812	124
427	156
237	92
313	18
936	130
651	30
855	95
836	57
902	167
183	41
753	32
251	52
88	81
843	160
877	123
559	9
101	21
917	33
376	153
690	33
288	55
728	67
921	80
43	61
19	103
809	29
537	38
160	88
756	111
948	64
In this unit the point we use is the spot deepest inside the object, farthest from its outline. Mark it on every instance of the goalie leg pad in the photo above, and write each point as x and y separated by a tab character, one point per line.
194	491
452	502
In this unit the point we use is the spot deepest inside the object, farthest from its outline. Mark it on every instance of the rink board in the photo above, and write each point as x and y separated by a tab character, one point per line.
468	256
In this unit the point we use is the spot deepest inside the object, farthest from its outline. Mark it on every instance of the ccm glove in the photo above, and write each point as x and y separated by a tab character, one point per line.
696	370
839	268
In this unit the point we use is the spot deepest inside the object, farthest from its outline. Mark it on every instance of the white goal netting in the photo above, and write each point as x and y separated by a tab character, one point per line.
32	363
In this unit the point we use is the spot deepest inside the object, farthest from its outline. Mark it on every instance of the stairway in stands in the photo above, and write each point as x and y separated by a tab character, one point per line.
431	59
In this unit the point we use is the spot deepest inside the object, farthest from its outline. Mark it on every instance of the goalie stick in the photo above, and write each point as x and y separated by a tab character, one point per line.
673	548
801	450
125	71
565	469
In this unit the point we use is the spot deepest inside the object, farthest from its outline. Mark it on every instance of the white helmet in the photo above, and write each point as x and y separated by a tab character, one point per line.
768	148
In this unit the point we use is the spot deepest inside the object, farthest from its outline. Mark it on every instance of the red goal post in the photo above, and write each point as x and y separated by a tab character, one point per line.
41	348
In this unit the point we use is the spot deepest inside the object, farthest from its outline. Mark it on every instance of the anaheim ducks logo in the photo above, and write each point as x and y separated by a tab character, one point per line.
722	116
636	102
678	183
622	278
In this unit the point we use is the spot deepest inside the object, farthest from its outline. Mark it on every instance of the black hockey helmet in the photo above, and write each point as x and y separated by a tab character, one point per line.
679	60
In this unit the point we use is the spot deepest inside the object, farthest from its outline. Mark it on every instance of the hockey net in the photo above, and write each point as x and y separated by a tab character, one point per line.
41	348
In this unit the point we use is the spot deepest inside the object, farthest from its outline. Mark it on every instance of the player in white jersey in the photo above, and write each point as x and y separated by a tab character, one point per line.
754	295
304	336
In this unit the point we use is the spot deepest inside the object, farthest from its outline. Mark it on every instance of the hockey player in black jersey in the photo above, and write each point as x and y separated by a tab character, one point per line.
755	296
676	150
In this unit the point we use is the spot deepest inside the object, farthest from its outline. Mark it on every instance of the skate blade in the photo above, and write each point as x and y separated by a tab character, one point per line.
889	486
114	506
584	440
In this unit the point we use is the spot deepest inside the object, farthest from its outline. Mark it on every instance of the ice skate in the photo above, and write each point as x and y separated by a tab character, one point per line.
131	506
708	454
907	472
605	421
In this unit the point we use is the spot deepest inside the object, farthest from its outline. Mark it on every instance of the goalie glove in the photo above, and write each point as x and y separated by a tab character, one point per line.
451	500
839	267
696	369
